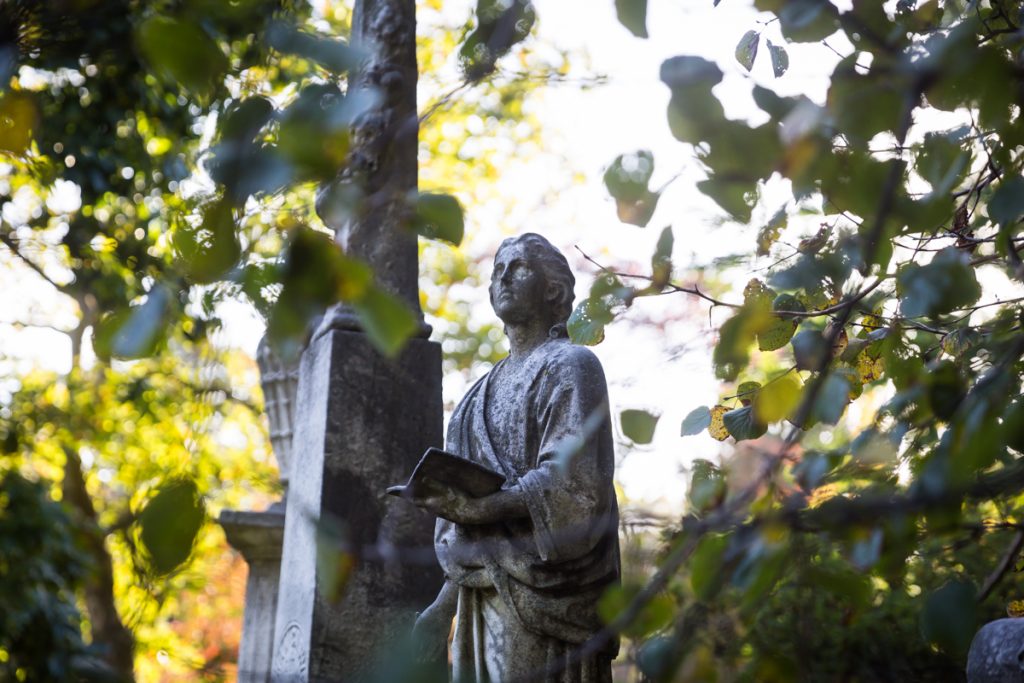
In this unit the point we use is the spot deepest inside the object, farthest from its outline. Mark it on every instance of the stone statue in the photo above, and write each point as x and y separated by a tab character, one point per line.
525	567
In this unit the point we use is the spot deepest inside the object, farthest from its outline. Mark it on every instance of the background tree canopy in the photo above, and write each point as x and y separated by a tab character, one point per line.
864	523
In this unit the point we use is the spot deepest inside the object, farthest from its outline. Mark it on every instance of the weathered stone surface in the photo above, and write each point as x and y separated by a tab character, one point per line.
258	536
362	423
997	653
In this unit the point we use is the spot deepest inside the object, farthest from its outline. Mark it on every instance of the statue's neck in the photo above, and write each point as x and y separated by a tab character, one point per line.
525	338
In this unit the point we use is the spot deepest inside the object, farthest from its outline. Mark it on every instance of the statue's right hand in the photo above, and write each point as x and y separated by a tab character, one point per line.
430	633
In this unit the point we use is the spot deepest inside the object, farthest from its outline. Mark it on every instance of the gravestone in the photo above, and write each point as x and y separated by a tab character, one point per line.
356	564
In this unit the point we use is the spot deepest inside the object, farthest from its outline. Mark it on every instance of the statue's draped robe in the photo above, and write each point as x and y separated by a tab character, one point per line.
528	588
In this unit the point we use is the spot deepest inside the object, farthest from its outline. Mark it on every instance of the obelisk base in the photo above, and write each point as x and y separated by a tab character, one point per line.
362	423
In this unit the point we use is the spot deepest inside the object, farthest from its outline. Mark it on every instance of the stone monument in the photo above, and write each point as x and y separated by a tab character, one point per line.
527	564
362	420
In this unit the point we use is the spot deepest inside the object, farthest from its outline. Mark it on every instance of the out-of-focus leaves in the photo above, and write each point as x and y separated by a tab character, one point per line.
942	160
693	111
706	575
742	424
633	15
655	615
439	216
832	398
500	24
778	399
747	392
769	234
809	349
19	117
136	332
315	275
780	59
807	21
949	618
661	260
945	284
638	425
387	320
696	421
207	251
707	486
335	562
169	523
627	181
946	389
182	51
746	49
333	54
731	195
1007	203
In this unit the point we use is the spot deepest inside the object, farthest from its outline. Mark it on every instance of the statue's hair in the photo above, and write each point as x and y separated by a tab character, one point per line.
555	269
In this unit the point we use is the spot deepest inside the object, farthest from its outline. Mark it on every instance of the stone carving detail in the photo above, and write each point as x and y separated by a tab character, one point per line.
280	382
526	566
291	656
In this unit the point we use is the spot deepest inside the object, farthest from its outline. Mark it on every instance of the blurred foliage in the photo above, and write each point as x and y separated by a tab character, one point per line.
160	161
865	517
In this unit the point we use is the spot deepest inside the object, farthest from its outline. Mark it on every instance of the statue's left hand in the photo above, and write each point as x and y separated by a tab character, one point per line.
448	503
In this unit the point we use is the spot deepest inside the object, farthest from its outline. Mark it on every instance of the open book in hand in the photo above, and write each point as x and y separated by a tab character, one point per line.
452	471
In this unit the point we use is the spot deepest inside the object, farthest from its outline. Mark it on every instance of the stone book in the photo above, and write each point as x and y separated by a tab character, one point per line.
451	470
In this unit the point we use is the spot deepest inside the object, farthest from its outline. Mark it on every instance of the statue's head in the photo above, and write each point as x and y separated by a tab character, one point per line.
532	278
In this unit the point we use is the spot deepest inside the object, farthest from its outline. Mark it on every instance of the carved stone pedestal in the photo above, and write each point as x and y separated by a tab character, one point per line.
258	536
362	423
997	653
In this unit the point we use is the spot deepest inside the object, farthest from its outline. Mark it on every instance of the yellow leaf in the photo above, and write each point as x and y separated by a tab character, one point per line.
1015	609
717	428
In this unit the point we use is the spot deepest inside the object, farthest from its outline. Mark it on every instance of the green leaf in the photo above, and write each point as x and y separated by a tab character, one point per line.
945	284
244	119
207	251
742	424
746	49
587	321
654	616
780	59
707	486
638	425
140	332
633	15
768	234
731	195
807	21
1007	203
334	55
942	160
627	181
439	216
696	422
500	24
386	319
182	51
809	349
693	111
832	398
706	564
169	524
661	261
950	617
778	399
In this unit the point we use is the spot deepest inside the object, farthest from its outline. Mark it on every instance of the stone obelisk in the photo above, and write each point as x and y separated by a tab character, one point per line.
363	420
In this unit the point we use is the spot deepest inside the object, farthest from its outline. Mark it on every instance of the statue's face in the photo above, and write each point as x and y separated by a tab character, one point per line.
518	287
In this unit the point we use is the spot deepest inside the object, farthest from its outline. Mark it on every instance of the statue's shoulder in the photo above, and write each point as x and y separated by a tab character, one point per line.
562	354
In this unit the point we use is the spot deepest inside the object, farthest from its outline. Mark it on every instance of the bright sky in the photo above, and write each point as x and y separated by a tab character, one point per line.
664	369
